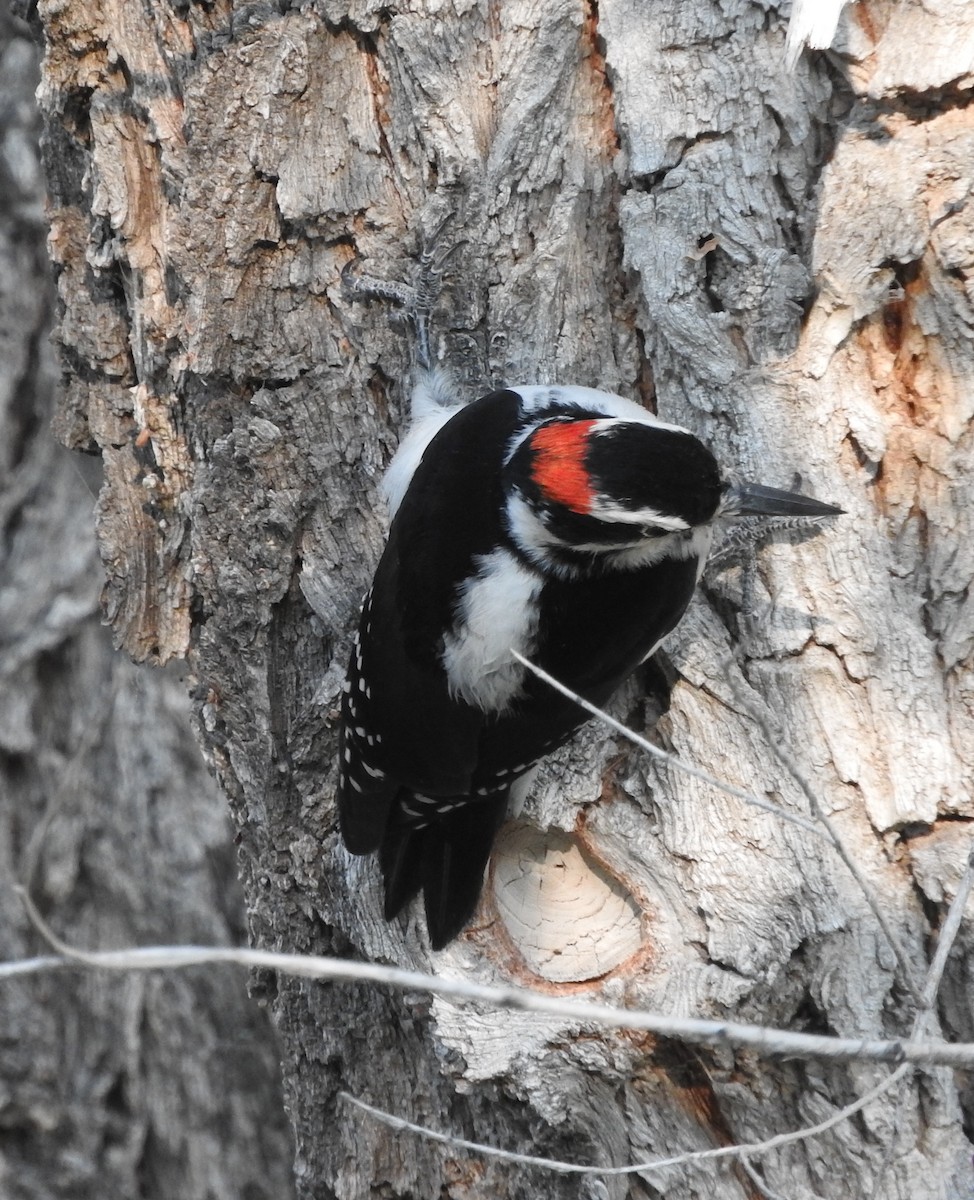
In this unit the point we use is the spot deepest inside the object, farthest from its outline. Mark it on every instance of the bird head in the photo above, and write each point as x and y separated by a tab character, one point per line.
628	491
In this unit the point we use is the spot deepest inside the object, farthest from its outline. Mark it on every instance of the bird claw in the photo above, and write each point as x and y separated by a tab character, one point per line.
417	300
359	286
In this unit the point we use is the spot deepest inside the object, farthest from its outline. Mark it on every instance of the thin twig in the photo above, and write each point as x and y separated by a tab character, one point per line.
931	987
774	1043
666	756
786	759
20	967
945	942
748	1149
823	828
743	1151
758	1181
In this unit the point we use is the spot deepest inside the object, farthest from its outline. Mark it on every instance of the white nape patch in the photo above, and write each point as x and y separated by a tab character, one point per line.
537	542
496	613
434	402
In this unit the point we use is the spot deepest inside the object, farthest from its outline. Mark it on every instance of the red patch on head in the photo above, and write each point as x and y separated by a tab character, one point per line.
559	463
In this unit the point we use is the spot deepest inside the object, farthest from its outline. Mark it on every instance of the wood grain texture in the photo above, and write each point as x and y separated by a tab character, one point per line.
644	200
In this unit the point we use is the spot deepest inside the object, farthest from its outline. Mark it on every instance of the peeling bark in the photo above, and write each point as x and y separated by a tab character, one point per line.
149	1085
631	185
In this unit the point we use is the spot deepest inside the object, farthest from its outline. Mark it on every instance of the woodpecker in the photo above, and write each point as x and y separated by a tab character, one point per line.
565	523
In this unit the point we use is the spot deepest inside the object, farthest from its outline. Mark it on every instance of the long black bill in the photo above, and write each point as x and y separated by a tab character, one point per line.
754	500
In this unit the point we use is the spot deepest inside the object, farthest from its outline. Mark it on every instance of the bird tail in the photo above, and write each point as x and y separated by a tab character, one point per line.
444	857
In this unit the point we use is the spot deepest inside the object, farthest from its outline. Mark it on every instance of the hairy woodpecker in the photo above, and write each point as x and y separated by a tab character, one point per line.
563	522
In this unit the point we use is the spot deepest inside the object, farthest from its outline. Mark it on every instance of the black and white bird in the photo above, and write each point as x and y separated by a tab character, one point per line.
565	523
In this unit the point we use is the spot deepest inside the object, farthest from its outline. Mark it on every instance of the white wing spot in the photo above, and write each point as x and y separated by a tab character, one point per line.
355	783
375	772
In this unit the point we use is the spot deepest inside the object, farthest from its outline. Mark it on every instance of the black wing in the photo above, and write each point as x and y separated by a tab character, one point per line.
407	747
595	632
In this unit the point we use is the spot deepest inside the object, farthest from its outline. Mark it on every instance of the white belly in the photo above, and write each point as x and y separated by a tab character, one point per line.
497	612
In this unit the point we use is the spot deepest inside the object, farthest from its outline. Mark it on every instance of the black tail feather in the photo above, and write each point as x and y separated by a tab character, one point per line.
446	858
454	863
401	860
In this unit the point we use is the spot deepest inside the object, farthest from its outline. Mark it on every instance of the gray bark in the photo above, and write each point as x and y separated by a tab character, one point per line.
149	1085
649	203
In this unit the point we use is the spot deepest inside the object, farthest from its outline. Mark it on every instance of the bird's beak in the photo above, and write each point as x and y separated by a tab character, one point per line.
755	500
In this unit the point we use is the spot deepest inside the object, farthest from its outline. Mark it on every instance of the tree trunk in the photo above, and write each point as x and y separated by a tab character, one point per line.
643	200
112	1086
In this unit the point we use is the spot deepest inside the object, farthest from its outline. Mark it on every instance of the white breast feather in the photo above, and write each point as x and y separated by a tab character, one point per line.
495	614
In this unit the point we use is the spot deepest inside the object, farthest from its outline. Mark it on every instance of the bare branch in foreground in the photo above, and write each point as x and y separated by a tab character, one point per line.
743	1151
948	933
773	1043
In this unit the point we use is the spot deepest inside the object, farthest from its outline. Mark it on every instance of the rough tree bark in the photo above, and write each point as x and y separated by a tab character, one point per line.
649	203
109	1086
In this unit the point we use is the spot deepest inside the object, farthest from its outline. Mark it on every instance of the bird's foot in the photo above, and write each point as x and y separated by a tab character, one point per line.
416	300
